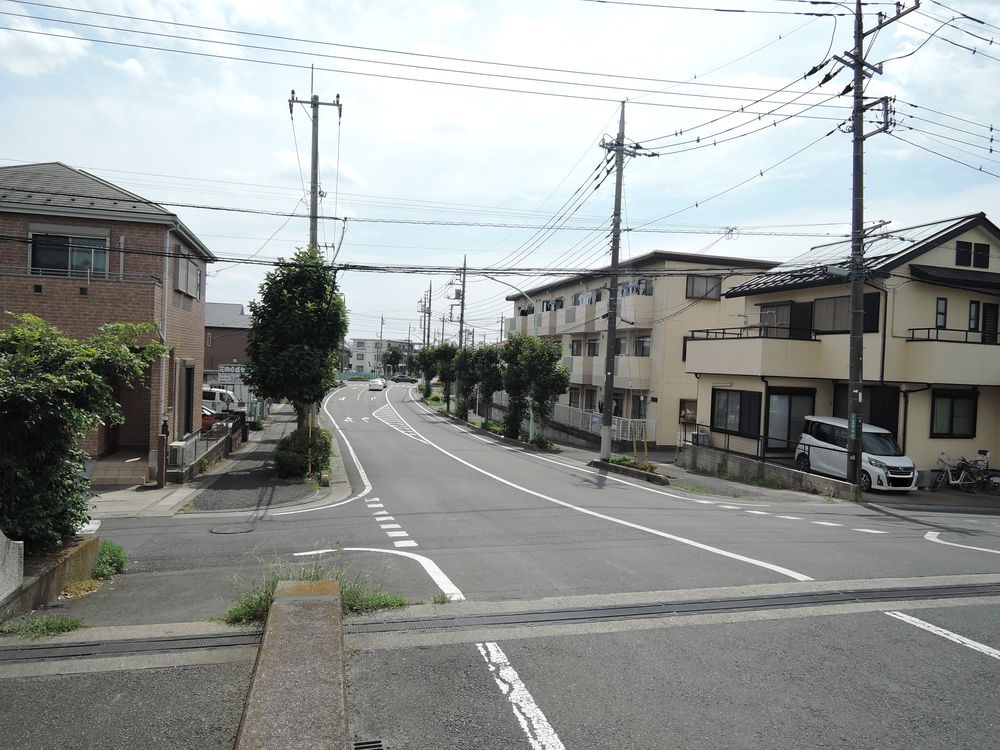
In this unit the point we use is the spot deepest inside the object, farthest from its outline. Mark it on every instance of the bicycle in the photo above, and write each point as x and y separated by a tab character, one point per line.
970	476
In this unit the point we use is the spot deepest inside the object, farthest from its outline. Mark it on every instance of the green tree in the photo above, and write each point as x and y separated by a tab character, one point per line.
445	356
296	332
466	377
515	383
425	360
489	374
53	391
548	378
393	357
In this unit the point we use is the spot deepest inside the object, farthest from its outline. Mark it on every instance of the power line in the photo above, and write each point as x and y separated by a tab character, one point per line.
944	156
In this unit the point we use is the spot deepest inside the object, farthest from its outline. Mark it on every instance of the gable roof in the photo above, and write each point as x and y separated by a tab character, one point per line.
882	254
56	189
635	265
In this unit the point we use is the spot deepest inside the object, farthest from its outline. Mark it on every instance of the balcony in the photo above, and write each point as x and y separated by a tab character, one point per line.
758	350
944	356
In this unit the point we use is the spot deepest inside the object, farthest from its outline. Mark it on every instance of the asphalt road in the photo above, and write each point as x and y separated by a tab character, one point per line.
504	529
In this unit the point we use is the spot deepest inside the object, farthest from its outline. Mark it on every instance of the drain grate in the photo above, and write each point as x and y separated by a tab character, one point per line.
368	745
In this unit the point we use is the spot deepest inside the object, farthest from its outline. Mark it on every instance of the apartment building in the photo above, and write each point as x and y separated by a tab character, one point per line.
79	252
661	296
367	355
931	360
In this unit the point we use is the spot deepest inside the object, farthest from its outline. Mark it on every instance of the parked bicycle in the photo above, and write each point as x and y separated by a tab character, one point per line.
971	476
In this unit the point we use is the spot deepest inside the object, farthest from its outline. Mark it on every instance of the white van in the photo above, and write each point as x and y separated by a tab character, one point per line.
822	448
219	399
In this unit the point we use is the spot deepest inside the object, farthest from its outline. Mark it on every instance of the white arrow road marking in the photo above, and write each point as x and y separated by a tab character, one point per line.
932	536
968	642
342	398
364	419
348	419
437	575
690	542
540	733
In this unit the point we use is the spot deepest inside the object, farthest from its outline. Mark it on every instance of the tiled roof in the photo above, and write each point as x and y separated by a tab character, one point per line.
56	187
224	315
883	252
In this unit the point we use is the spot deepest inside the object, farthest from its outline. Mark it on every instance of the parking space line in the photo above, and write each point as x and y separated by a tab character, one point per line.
960	639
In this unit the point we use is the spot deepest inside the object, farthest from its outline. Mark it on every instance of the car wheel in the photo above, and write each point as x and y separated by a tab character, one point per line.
802	462
866	481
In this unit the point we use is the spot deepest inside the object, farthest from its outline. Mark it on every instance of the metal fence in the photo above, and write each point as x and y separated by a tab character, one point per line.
590	421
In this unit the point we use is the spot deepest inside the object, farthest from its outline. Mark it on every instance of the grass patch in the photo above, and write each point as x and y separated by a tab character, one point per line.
43	627
434	398
441	599
111	560
357	596
491	425
80	588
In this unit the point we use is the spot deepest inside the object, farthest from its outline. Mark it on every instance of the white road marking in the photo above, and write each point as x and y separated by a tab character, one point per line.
390	418
480	437
932	536
382	515
386	526
758	512
871	531
825	523
342	398
790	518
430	567
373	500
960	639
348	419
394	534
357	464
730	507
90	527
706	502
690	542
536	727
375	505
406	543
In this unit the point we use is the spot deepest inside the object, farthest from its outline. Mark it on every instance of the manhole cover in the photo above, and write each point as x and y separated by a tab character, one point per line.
233	528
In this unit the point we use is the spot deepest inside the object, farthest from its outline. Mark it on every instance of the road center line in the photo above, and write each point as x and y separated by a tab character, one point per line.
960	639
536	727
932	536
690	542
437	575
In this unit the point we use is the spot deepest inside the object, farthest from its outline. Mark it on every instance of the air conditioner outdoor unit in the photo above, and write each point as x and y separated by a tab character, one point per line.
176	456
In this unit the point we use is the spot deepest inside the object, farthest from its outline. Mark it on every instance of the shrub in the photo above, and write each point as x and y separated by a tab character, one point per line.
256	424
632	463
297	453
111	560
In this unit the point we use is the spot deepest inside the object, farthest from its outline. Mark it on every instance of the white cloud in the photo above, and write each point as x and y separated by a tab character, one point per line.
29	52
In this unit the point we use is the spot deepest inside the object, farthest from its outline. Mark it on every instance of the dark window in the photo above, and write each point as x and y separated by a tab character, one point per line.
590	399
704	287
593	347
576	347
188	276
619	346
941	319
574	398
642	344
963	253
981	255
69	256
736	412
953	414
833	314
974	315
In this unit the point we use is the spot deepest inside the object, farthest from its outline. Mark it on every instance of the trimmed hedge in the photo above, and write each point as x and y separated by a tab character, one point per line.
296	453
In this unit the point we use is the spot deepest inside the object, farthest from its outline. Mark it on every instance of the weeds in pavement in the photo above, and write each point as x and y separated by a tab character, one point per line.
80	588
441	599
356	595
111	560
42	627
631	462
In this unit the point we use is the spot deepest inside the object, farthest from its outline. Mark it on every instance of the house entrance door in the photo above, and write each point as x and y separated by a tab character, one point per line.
990	323
786	413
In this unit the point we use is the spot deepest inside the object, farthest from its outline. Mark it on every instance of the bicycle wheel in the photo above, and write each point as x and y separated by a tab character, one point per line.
939	481
993	484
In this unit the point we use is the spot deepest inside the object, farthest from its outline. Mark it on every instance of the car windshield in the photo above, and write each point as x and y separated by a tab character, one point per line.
880	444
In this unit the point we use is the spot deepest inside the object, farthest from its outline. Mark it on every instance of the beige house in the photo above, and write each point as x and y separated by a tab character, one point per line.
931	363
662	296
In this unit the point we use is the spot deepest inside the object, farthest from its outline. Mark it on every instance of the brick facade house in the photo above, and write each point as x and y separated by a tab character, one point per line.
79	252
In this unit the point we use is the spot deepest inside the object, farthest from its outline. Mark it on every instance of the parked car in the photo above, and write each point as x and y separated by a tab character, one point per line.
219	399
207	418
822	449
399	378
376	384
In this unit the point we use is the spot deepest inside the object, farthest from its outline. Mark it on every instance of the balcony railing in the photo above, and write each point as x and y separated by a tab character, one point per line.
754	331
590	421
954	335
84	276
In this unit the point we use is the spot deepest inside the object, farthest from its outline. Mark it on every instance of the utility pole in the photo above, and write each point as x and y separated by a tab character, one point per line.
442	328
856	61
618	146
315	103
381	355
461	311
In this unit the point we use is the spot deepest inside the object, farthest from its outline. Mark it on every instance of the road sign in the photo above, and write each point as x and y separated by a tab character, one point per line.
232	369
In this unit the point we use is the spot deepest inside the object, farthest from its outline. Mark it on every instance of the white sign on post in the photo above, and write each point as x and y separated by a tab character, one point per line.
231	374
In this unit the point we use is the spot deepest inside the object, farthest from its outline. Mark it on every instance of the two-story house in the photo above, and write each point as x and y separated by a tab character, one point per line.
662	295
931	363
79	252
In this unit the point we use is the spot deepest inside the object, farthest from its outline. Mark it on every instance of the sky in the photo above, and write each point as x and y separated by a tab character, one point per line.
470	131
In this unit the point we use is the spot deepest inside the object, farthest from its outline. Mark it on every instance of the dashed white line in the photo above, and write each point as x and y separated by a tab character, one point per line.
394	534
826	523
381	515
730	507
387	526
406	543
960	639
871	531
375	505
536	727
758	512
790	518
706	502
